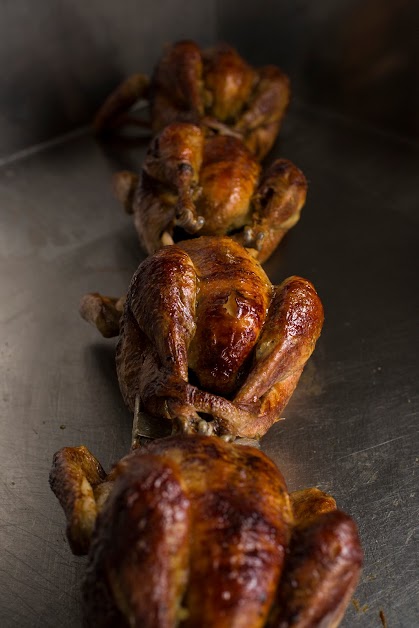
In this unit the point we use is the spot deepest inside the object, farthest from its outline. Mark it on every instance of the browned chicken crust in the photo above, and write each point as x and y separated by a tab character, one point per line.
192	184
198	532
206	310
208	342
214	88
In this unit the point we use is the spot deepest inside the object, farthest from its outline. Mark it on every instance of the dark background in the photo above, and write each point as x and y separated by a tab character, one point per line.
351	426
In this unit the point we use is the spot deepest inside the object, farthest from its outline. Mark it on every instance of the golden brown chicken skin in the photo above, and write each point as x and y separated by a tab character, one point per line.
207	342
214	88
195	532
194	185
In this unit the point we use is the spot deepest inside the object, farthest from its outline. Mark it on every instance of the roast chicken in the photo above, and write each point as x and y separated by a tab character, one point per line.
214	88
206	341
199	533
192	184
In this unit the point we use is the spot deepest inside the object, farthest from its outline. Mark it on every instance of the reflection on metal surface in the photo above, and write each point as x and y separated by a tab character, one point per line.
357	57
59	60
365	63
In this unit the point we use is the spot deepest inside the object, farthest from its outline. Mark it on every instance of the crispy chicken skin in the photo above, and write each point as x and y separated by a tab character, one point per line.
192	184
196	532
214	88
206	337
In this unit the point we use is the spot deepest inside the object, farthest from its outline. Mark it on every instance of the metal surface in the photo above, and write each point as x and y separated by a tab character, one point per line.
351	426
356	57
59	59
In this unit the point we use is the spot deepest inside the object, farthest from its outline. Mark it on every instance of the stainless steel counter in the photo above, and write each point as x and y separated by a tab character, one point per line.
351	426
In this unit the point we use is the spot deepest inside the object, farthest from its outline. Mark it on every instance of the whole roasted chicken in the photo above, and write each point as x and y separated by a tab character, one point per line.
214	88
206	341
191	183
199	533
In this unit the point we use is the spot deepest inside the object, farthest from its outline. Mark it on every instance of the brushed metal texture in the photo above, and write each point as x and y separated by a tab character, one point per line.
60	59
